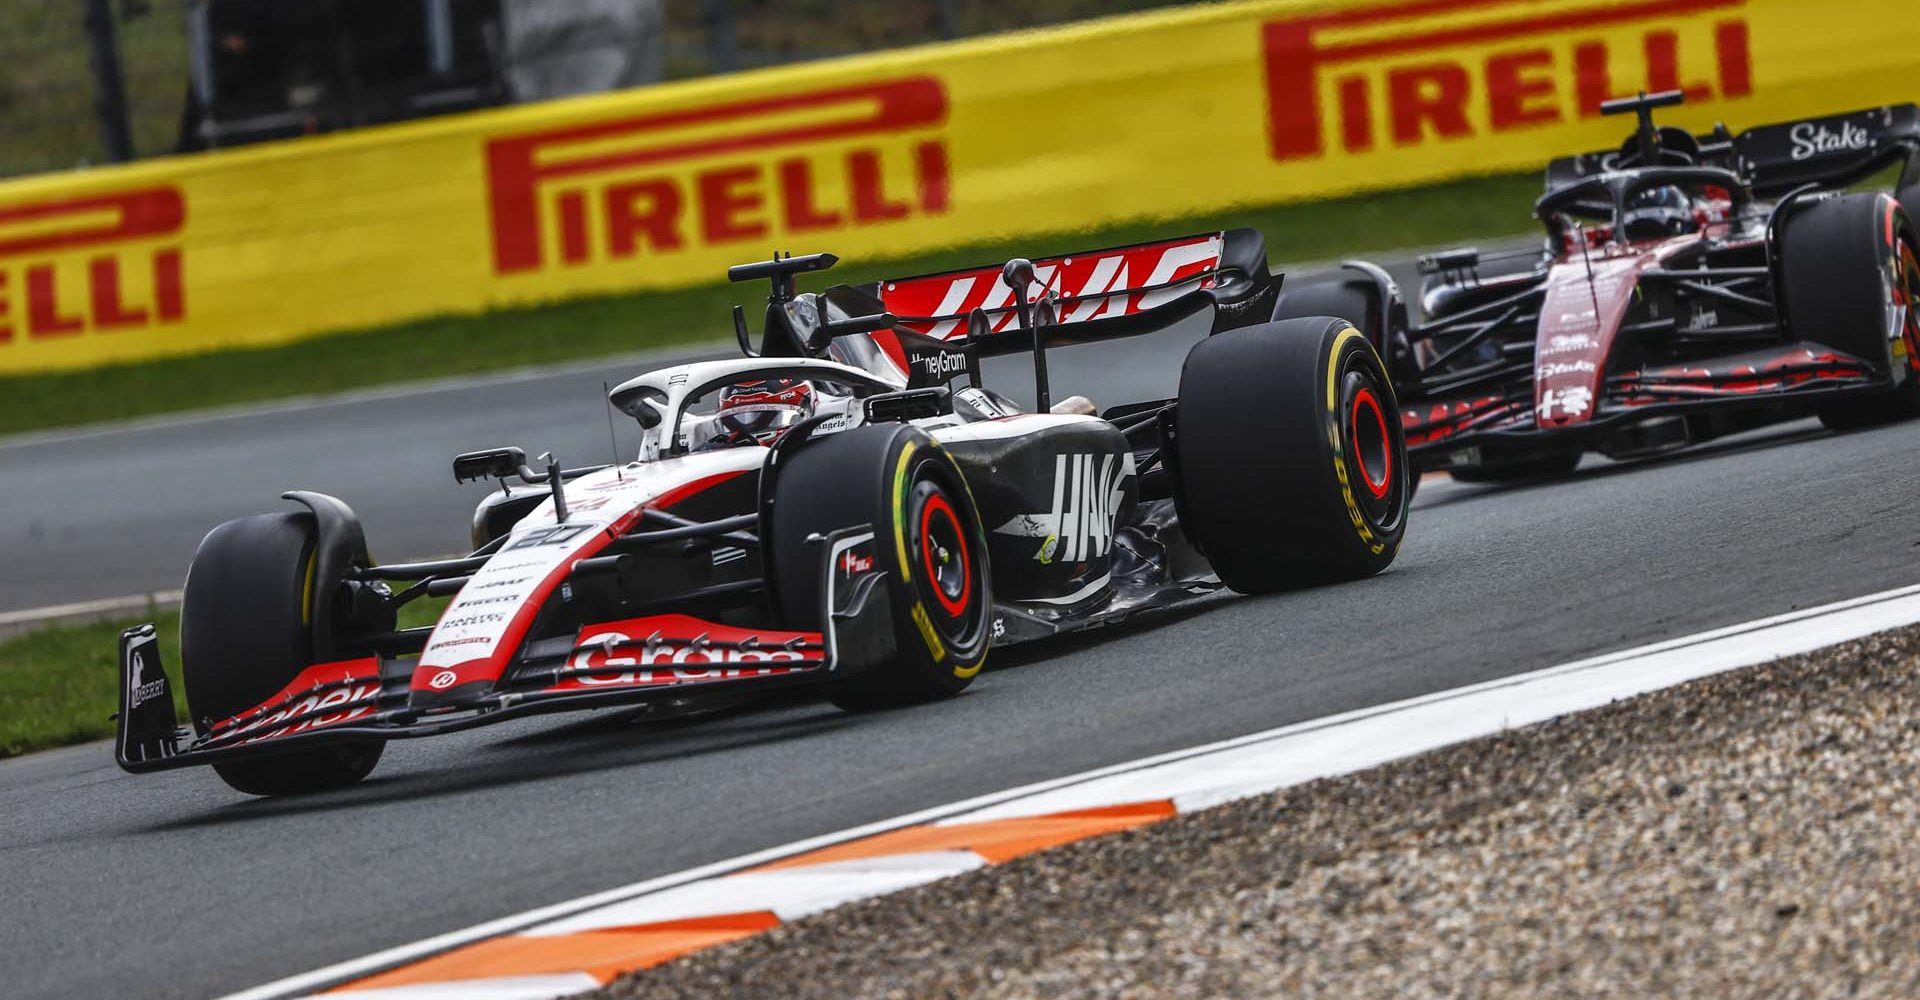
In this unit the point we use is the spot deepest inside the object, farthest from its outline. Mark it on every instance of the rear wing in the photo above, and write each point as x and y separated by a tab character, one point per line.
1107	284
1032	306
1832	152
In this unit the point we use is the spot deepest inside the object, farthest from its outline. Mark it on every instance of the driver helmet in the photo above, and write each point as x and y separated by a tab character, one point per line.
762	410
1657	213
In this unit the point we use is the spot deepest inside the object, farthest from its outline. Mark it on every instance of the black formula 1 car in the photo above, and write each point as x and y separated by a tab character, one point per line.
1690	287
861	501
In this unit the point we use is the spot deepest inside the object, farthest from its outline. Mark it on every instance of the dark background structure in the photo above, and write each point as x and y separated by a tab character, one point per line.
85	82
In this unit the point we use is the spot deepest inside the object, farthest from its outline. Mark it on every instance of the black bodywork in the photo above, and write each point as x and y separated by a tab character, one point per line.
1148	559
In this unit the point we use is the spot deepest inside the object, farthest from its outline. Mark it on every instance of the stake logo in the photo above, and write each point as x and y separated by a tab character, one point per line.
98	264
738	172
1810	139
1528	67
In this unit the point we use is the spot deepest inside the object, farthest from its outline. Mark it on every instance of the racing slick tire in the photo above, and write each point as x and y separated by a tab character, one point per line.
1520	470
1290	467
928	539
1847	264
246	633
1357	301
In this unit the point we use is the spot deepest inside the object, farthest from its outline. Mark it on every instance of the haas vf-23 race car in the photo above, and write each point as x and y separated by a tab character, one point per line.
1690	287
855	503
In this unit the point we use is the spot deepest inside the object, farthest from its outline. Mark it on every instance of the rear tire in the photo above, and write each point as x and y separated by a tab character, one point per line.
1846	262
245	635
1291	465
1358	301
899	480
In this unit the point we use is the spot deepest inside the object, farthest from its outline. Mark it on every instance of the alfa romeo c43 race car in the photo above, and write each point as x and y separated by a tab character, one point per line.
1690	287
861	502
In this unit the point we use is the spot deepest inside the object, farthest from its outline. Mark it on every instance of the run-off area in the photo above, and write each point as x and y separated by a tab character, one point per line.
1751	834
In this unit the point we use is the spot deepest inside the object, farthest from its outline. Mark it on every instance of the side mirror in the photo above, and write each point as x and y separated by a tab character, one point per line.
493	463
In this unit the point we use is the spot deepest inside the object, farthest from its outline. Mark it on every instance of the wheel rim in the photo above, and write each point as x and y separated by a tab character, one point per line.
1372	447
944	555
942	545
1372	443
1903	293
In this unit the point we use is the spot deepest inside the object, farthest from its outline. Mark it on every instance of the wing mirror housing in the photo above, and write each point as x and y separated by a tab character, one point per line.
492	463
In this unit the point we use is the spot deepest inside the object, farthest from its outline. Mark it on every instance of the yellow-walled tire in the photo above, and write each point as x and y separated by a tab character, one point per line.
1291	466
928	539
244	635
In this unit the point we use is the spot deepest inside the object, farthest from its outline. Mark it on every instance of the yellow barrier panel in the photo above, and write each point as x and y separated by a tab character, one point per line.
1184	111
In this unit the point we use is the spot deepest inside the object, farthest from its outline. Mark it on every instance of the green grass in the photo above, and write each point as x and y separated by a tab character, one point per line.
58	686
46	82
585	328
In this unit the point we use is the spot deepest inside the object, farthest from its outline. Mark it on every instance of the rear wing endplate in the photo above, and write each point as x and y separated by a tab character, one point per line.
1831	152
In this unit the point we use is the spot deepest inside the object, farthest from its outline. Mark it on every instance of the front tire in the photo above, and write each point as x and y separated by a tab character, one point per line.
1291	465
246	633
1850	275
927	537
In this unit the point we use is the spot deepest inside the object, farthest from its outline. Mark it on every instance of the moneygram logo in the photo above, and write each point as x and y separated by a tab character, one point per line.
1453	69
738	172
96	264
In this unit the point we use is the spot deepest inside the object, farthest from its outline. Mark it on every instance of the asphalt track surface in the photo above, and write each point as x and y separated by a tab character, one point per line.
171	885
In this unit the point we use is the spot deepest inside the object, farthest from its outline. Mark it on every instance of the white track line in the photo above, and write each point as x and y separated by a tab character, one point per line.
1288	755
85	609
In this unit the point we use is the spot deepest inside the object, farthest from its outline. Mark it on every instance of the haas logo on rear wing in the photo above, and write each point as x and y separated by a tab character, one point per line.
1102	283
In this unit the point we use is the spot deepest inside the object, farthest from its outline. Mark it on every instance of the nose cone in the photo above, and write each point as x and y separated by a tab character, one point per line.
1579	316
1566	369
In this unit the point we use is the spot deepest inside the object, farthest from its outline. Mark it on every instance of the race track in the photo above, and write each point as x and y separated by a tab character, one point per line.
173	886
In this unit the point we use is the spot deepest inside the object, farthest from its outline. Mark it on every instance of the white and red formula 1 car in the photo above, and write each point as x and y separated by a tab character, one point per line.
885	486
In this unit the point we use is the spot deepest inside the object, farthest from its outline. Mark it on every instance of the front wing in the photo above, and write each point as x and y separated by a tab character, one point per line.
1793	374
659	658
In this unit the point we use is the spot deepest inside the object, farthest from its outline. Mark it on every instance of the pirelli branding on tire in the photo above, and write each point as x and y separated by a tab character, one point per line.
1185	110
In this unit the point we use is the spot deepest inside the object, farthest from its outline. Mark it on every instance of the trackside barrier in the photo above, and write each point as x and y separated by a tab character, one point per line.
1183	111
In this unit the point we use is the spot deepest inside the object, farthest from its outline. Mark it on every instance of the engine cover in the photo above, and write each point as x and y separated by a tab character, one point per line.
1051	489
